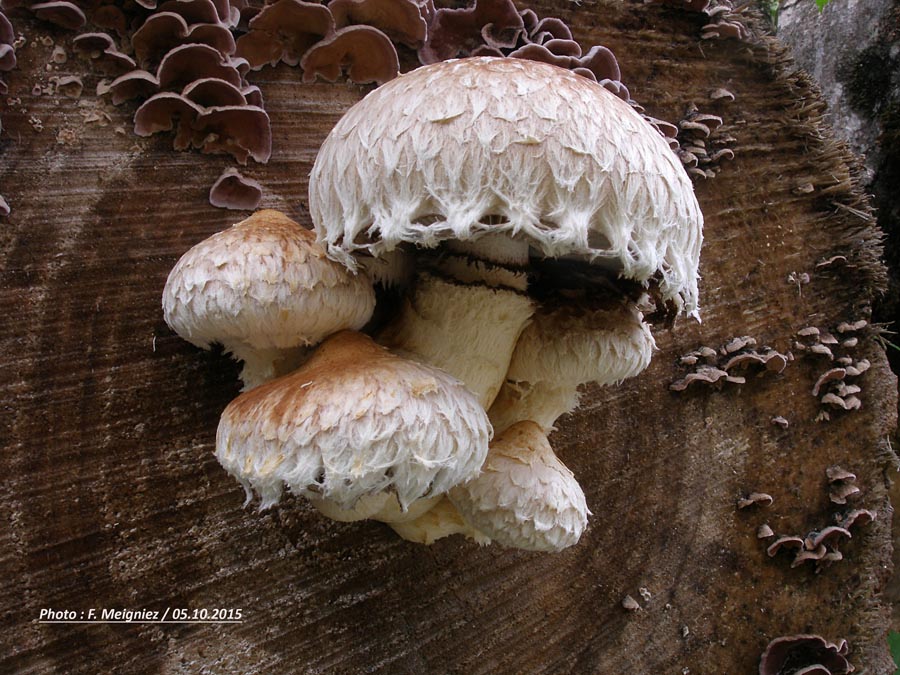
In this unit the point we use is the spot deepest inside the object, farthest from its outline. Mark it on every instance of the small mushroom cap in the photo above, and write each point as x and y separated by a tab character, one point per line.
458	148
524	496
354	420
580	345
266	284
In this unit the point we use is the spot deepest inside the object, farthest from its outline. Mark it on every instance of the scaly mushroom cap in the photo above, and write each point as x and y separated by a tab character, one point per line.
563	348
266	284
451	150
353	421
524	496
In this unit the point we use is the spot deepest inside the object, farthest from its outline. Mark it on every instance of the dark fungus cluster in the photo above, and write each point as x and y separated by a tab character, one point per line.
729	363
186	62
836	387
821	546
703	143
725	19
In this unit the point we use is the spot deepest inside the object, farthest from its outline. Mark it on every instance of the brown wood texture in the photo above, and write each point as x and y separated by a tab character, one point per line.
111	497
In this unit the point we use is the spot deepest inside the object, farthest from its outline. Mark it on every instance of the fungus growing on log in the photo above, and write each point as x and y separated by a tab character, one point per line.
793	654
509	187
234	191
284	31
61	13
365	53
355	420
102	48
164	31
400	20
264	290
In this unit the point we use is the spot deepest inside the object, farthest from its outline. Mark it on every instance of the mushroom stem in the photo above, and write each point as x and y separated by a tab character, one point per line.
443	520
560	350
382	506
262	365
466	324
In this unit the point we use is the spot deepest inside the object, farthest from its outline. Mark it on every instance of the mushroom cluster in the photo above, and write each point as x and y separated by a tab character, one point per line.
820	546
835	387
738	355
805	655
540	215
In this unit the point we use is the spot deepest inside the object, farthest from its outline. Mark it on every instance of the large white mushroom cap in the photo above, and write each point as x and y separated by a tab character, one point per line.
354	420
451	150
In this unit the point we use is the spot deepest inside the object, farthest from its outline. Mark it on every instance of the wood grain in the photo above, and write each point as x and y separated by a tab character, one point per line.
111	497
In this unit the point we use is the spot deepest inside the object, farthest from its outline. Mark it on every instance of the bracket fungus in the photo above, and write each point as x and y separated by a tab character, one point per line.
264	290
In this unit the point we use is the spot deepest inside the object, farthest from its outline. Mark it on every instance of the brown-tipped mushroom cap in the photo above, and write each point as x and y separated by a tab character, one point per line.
515	147
365	53
354	420
260	287
524	496
234	191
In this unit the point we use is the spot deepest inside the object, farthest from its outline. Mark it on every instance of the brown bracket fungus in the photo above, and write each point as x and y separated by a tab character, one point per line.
794	654
101	47
234	191
164	31
284	31
454	32
400	20
61	13
442	520
354	420
365	53
264	290
524	496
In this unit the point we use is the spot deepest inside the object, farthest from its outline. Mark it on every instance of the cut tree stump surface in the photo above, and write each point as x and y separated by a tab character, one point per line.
111	497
